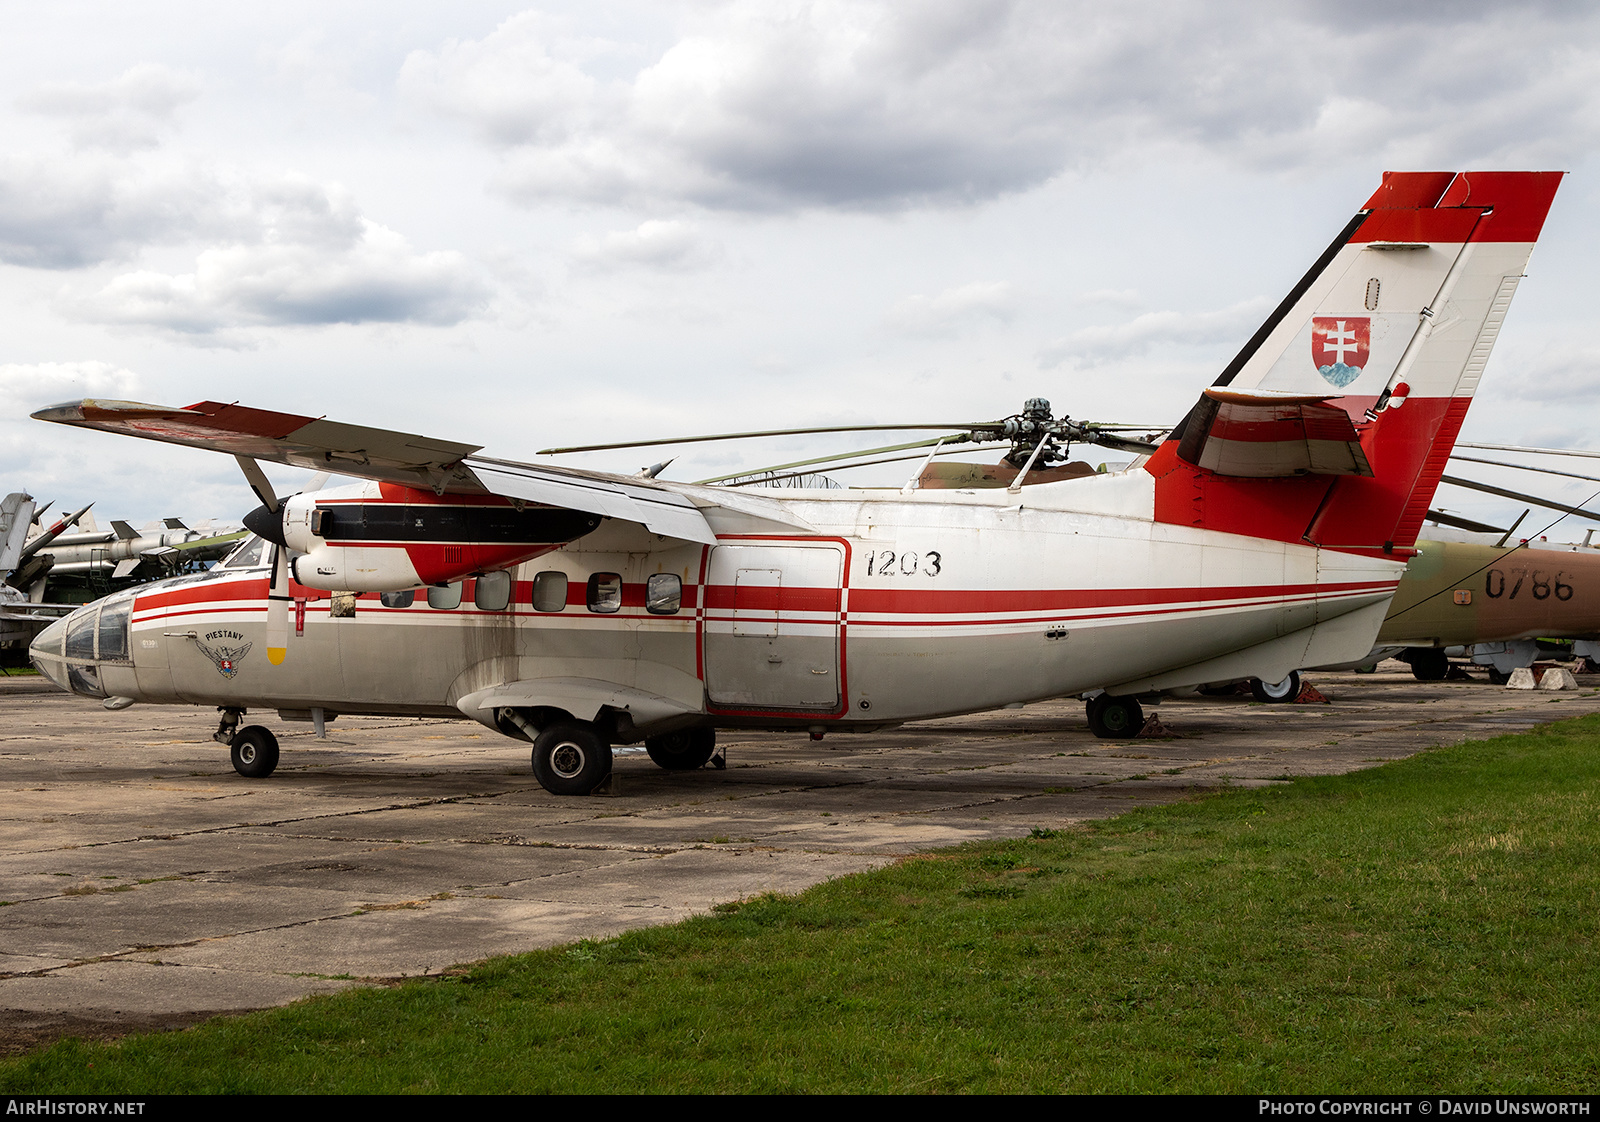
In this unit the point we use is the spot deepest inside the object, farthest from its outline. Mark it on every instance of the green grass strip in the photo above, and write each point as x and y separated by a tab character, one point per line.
1426	926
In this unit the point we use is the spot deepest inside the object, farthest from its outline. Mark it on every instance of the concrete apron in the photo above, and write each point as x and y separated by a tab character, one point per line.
149	886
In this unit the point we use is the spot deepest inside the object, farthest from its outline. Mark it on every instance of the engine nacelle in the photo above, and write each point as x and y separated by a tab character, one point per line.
336	568
381	537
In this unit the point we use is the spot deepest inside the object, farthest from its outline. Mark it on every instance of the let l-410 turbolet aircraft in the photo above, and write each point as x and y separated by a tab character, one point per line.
578	610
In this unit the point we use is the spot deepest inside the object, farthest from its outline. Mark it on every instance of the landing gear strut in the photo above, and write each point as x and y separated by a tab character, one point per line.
1114	718
227	725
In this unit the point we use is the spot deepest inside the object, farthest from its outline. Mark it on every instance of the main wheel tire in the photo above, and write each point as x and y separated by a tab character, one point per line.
254	751
1498	678
684	750
1115	718
1279	692
571	758
1428	664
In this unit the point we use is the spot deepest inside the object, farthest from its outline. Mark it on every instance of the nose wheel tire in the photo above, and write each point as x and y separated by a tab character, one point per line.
254	751
683	750
571	758
1114	718
1284	691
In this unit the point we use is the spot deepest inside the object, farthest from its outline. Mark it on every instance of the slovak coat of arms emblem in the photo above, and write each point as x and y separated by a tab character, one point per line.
1340	347
226	658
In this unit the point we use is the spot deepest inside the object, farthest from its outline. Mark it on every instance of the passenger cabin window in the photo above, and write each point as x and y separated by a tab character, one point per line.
492	591
398	599
663	594
605	593
445	595
550	592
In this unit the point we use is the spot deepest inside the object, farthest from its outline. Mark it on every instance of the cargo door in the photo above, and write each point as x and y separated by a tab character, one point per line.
771	627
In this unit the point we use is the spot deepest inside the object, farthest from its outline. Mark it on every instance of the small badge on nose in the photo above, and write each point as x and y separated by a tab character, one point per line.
226	658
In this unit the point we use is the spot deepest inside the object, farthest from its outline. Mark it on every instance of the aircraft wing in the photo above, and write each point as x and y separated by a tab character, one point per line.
442	466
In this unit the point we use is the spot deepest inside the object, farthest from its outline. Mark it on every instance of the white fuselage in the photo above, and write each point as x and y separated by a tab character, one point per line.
856	608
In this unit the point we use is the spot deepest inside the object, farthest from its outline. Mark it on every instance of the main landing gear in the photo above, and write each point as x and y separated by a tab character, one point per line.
1115	718
1281	692
684	750
572	757
253	749
1428	664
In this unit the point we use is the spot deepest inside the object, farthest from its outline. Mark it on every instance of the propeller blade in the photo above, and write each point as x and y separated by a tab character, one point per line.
974	425
259	483
278	607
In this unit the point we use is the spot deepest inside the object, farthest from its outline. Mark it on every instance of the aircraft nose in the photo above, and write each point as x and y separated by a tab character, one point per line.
47	650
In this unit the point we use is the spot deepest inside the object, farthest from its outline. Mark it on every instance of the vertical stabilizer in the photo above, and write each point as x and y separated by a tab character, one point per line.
16	518
1393	325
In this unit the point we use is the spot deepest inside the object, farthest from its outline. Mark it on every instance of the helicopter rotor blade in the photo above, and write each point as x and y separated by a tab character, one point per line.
830	459
748	480
958	426
1120	444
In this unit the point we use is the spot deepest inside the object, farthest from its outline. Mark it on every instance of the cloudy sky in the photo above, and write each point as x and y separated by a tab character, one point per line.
526	226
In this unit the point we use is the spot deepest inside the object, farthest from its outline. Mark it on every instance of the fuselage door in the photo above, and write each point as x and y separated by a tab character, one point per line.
772	626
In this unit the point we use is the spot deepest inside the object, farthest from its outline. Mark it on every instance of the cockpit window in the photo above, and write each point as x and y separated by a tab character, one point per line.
80	635
114	619
247	556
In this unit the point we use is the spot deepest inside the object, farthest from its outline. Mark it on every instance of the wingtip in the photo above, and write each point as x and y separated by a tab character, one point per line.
91	410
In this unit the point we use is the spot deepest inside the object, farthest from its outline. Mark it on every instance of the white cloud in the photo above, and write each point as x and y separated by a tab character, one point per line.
67	212
1101	344
955	309
26	387
656	244
370	276
128	112
1567	374
872	105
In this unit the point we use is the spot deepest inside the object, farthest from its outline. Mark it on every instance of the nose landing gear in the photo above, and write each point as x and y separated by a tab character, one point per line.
254	752
253	749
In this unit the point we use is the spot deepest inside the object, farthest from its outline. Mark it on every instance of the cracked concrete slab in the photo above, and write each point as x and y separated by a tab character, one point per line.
144	884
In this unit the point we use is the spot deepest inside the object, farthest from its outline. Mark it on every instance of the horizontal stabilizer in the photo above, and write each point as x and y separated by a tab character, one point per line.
1261	434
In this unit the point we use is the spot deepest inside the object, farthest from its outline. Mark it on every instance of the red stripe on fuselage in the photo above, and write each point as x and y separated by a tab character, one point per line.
907	601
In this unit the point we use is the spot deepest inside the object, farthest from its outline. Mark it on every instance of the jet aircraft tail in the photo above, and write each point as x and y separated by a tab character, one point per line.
16	518
1333	424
